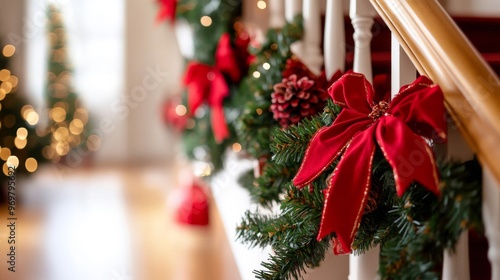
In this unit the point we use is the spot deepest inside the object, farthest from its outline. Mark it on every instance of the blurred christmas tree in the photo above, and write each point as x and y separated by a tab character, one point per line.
20	144
68	120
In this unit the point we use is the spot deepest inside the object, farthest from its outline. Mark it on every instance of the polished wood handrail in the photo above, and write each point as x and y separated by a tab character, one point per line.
441	51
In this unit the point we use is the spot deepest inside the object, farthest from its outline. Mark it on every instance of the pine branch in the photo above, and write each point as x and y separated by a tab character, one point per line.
410	229
271	185
254	95
430	225
289	145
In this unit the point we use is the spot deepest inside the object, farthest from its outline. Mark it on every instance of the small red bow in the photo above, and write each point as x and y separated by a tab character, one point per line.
398	127
207	84
167	10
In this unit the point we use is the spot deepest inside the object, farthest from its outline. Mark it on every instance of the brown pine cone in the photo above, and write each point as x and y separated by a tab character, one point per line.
295	99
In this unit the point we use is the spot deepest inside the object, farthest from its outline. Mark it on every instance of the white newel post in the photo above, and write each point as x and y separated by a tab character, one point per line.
334	40
311	52
491	210
363	267
277	11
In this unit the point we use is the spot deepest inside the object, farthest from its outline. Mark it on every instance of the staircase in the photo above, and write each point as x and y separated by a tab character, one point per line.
464	80
479	31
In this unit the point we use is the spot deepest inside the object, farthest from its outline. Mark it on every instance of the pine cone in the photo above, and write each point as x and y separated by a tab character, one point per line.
295	99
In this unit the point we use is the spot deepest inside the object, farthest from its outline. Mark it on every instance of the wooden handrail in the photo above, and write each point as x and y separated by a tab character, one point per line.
441	51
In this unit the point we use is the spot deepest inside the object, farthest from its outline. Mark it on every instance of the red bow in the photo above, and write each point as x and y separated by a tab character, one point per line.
367	117
207	83
167	10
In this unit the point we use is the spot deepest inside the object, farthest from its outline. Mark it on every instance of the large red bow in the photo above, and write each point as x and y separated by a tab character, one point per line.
207	84
167	10
367	117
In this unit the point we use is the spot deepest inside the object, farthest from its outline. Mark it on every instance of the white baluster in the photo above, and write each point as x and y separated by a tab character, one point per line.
334	40
332	268
311	55
277	10
491	208
362	13
403	71
292	8
363	267
456	265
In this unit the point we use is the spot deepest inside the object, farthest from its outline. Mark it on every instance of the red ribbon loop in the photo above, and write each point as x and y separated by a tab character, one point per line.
417	110
207	84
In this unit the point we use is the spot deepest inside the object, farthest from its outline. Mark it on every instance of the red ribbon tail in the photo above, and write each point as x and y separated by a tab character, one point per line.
408	154
225	58
347	193
218	92
219	125
198	84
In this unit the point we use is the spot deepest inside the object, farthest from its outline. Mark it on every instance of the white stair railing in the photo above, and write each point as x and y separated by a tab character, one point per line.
292	8
491	208
309	51
277	13
456	264
311	44
363	267
334	39
362	14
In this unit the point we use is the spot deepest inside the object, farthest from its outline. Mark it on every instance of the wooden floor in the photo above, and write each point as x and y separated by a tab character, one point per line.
111	224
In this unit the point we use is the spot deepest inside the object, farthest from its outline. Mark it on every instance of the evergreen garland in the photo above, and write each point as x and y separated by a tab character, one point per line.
413	230
287	147
198	139
256	122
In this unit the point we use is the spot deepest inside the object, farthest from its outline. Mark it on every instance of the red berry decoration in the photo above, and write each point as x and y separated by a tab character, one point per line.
295	99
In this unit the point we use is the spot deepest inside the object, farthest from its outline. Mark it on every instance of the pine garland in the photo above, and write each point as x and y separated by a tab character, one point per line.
412	230
287	147
255	124
198	139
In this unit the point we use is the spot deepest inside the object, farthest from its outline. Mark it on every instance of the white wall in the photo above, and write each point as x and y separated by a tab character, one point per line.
149	48
114	48
473	7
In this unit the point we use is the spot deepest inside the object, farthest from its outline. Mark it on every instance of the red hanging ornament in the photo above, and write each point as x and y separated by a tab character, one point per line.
208	84
193	206
417	111
167	10
175	114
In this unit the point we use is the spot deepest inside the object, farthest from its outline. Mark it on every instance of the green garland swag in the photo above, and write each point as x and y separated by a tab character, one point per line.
255	122
412	230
